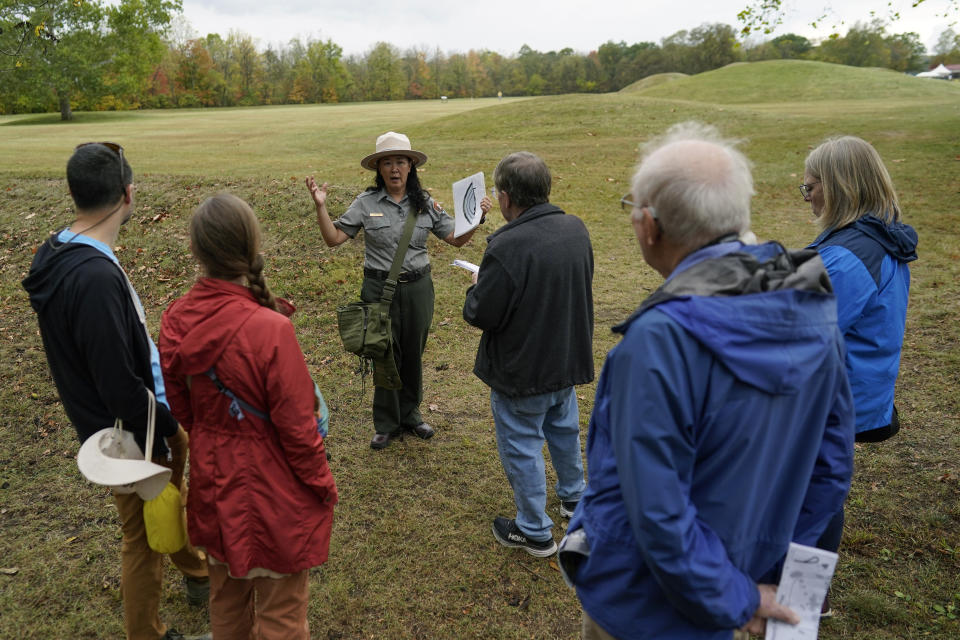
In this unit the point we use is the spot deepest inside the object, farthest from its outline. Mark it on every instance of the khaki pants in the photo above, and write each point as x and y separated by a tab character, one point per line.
141	567
590	630
258	608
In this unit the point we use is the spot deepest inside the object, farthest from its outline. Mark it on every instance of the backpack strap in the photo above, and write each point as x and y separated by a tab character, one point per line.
237	406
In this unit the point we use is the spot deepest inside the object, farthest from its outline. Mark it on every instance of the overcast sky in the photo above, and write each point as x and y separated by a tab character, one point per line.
505	25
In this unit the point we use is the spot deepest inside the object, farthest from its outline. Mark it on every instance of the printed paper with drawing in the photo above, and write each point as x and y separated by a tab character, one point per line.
467	194
803	585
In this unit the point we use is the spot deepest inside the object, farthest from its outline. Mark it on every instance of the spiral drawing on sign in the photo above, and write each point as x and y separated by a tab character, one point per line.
470	204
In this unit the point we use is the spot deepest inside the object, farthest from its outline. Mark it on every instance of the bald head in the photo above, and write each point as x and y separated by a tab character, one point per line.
698	183
698	160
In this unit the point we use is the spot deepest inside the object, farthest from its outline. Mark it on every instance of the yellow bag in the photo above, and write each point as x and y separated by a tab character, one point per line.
163	518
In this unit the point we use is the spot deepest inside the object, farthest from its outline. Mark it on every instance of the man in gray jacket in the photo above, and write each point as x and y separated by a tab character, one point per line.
533	299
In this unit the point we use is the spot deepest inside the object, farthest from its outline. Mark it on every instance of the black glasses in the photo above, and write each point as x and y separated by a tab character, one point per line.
805	189
117	149
629	205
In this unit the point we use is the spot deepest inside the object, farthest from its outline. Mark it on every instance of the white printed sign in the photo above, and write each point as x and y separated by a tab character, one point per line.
467	194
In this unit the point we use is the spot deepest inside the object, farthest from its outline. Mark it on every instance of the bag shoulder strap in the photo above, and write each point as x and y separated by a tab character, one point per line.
237	405
391	284
151	425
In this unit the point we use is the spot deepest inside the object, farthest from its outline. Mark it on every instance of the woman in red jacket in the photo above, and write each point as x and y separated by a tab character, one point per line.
261	494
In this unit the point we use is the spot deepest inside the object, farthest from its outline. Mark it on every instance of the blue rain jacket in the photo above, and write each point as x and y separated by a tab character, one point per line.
722	430
867	263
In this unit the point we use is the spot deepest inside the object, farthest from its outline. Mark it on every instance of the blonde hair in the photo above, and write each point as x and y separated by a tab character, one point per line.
854	182
225	239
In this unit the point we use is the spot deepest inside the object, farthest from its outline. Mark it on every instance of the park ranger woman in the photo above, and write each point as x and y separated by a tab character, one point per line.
381	211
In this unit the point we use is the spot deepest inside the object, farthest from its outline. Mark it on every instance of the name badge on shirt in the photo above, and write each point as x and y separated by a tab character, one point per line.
375	215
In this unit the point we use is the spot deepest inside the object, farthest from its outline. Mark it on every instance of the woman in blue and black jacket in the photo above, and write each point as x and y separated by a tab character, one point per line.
866	248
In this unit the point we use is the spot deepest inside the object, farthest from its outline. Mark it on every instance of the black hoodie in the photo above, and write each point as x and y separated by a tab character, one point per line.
96	347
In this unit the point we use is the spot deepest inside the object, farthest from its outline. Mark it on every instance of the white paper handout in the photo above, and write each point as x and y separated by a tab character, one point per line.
469	266
803	585
467	194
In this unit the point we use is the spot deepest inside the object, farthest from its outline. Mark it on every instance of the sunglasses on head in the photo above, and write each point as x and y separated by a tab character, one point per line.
113	146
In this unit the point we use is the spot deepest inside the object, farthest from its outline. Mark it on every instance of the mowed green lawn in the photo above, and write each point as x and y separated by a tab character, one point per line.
412	555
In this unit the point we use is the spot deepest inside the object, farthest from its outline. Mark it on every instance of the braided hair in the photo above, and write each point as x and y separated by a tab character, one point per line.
225	239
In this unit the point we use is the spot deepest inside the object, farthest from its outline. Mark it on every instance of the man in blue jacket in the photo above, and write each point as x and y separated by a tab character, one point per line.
723	422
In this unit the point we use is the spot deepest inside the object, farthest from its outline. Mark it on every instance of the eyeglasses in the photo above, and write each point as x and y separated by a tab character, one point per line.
629	205
117	149
805	189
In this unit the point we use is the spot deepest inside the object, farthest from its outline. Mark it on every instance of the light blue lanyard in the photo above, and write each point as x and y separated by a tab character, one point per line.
159	388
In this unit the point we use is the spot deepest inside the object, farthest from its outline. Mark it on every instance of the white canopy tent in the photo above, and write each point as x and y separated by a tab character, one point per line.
940	72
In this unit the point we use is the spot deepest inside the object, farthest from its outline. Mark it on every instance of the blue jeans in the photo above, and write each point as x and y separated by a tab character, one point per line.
522	424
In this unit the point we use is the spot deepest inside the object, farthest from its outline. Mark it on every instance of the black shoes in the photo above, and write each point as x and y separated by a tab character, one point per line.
506	532
422	431
198	591
174	635
383	440
567	507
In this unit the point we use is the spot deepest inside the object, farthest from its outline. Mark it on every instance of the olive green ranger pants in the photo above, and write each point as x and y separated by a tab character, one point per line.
410	315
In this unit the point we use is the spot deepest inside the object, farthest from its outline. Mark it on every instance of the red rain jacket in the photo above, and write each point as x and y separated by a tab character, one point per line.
261	493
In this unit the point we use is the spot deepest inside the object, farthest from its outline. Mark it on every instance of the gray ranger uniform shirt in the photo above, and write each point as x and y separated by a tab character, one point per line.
382	222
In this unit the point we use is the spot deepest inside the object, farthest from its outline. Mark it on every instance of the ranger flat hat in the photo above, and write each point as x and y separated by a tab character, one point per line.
112	457
393	144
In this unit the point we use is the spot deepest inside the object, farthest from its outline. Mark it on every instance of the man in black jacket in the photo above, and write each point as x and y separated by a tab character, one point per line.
533	299
105	364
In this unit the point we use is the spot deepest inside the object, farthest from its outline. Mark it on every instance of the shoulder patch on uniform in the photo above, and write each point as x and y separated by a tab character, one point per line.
437	207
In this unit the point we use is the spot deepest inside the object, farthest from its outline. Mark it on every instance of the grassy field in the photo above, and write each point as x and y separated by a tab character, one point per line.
412	555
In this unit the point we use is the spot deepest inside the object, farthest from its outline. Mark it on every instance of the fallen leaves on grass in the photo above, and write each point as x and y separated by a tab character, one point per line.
518	602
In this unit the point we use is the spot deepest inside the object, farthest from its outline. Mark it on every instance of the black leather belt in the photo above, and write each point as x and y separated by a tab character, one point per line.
406	276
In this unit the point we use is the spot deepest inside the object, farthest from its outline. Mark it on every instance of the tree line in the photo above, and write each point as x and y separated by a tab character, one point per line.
79	54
